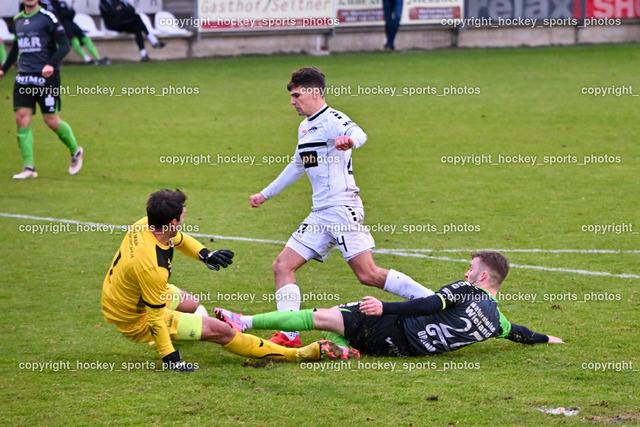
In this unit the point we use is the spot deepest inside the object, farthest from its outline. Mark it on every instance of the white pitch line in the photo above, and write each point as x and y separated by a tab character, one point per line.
241	239
550	251
124	228
397	252
530	267
568	270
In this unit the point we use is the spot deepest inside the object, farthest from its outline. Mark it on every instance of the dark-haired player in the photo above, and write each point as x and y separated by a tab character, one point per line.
459	314
138	299
324	152
40	43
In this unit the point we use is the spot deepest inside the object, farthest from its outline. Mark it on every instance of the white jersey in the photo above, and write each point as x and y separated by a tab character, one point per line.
329	169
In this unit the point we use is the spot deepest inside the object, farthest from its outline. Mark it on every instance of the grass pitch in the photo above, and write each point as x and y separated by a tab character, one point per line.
61	364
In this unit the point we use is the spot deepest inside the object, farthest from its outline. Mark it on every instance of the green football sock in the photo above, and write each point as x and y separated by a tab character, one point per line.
285	320
3	53
90	47
25	142
65	134
336	338
75	44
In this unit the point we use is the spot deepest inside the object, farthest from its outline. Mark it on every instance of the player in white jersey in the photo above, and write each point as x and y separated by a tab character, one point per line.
326	139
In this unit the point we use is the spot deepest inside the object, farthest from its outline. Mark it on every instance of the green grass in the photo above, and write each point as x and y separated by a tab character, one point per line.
530	103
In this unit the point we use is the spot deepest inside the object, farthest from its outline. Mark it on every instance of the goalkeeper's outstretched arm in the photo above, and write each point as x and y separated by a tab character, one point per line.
191	247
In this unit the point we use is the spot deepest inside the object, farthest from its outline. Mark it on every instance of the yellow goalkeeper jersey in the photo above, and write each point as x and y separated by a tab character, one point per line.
136	284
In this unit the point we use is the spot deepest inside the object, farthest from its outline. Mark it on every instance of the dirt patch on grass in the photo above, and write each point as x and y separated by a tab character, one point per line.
633	419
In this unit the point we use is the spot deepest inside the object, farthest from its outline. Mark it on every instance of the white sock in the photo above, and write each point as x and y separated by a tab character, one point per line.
152	39
247	320
404	286
201	311
288	299
87	59
143	53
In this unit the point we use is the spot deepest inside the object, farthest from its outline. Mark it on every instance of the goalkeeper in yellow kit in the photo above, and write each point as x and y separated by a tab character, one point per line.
138	299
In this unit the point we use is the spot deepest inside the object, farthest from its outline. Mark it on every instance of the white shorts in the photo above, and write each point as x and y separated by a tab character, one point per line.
322	230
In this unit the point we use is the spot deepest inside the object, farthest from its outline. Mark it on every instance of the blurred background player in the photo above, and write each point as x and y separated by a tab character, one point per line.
76	35
41	43
392	13
325	141
3	52
459	314
138	299
120	16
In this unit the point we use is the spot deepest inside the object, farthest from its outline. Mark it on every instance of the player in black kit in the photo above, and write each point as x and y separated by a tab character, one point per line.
40	42
120	15
459	314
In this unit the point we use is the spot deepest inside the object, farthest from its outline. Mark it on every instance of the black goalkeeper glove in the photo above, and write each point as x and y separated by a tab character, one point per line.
174	362
217	259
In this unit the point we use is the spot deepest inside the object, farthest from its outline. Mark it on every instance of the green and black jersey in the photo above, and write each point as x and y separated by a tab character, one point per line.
39	40
459	314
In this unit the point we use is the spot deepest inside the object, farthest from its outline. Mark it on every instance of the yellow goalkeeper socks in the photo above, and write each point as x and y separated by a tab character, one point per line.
256	348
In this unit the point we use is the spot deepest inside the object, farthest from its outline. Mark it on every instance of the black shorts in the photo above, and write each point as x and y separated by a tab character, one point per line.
376	335
30	89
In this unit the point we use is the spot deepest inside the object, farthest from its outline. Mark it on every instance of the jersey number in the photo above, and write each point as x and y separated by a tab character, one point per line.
342	243
441	331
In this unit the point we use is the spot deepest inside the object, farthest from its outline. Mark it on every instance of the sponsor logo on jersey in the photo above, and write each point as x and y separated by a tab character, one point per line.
309	159
30	80
29	42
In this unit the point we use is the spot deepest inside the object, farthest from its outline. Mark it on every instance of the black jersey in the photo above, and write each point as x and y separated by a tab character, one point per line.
63	10
469	315
37	36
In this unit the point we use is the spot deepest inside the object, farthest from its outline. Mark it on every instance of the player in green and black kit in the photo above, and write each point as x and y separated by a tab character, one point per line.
77	37
41	43
459	314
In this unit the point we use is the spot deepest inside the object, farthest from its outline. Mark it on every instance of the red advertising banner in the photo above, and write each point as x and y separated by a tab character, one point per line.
359	12
367	16
613	9
433	14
